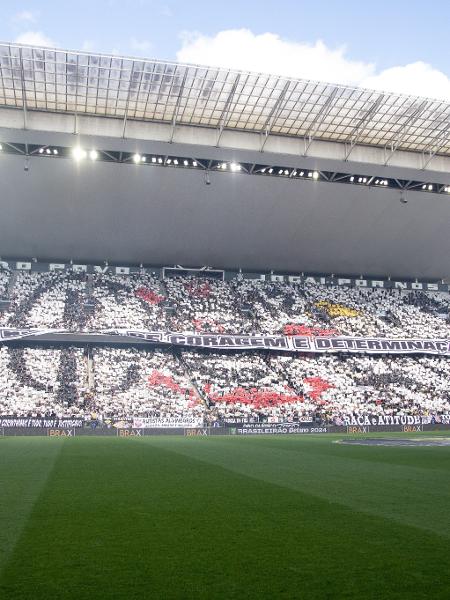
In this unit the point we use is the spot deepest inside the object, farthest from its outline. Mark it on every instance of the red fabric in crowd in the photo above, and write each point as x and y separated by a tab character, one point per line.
158	378
318	386
293	329
148	296
254	397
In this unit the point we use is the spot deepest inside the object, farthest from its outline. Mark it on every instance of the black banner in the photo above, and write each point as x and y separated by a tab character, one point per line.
346	344
37	422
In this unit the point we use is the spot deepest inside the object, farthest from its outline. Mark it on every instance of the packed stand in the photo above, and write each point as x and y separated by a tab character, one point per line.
207	306
244	387
40	300
125	302
313	309
138	383
38	382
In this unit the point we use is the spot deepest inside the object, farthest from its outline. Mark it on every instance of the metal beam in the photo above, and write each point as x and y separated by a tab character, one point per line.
276	109
226	109
324	110
353	138
442	140
404	129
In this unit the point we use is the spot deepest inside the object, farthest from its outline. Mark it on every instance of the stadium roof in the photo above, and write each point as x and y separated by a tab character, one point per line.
62	81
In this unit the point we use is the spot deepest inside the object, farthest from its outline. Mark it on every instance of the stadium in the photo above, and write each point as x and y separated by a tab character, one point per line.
224	333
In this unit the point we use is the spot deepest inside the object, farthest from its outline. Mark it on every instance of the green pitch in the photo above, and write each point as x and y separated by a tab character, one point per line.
258	517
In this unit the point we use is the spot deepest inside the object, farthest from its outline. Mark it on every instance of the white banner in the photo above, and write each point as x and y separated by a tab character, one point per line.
153	423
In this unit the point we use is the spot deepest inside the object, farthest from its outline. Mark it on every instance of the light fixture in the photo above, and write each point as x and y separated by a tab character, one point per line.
271	170
301	173
352	179
175	162
136	158
430	187
194	164
93	154
153	159
79	153
41	150
235	167
310	174
315	175
185	163
143	159
168	161
280	172
263	170
286	172
55	151
424	187
160	160
48	151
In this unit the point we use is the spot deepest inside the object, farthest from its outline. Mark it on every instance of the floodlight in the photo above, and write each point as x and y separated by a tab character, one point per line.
175	162
194	164
352	179
315	175
280	172
93	154
271	170
136	158
430	187
185	162
79	153
55	151
160	161
153	159
41	150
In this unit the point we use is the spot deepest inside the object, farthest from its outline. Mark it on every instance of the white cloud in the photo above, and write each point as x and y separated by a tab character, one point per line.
25	16
268	53
417	79
35	38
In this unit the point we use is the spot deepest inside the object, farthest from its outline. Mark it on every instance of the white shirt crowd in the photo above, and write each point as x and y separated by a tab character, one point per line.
218	386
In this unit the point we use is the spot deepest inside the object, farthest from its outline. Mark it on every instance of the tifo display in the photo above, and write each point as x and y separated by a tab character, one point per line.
193	386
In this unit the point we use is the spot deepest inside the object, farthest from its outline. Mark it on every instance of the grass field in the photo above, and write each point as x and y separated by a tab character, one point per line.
222	517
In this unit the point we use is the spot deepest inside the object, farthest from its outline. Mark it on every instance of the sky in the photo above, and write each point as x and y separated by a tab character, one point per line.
397	45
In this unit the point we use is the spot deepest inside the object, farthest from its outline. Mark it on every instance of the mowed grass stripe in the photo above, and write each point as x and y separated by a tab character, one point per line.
131	519
25	465
410	495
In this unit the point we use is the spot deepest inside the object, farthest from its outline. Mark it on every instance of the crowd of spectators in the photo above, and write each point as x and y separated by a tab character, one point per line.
117	383
138	383
102	301
36	382
122	383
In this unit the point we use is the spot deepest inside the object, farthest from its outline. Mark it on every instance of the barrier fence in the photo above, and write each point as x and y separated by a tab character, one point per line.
248	429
